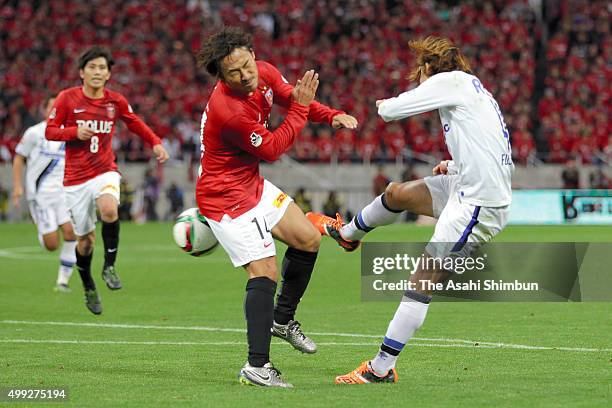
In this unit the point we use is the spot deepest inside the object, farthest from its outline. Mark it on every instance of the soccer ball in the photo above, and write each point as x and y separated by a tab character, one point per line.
192	233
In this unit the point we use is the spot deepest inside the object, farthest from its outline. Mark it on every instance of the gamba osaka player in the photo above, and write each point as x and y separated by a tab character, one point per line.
469	195
44	163
84	117
246	212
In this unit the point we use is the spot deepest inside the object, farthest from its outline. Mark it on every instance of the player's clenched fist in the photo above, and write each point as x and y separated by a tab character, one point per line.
441	168
305	89
160	153
85	133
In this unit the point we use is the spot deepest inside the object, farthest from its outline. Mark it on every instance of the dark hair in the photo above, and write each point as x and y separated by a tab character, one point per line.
96	52
48	97
220	45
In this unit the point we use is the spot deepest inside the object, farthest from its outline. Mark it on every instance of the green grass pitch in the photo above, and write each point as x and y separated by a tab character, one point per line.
174	335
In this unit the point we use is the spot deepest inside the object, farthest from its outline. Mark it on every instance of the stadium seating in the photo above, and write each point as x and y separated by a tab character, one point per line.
360	52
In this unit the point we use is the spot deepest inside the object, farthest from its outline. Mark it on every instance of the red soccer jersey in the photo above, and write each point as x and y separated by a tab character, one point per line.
235	139
85	159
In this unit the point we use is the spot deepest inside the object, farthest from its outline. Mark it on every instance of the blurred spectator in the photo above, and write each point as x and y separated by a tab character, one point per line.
5	153
598	179
302	200
331	205
575	108
325	145
570	175
126	199
380	182
175	197
409	173
4	202
151	194
172	144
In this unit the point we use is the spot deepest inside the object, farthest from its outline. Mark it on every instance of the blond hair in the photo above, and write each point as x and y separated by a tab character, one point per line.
441	55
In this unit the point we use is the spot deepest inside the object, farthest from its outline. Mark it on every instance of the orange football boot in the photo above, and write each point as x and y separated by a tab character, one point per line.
365	375
330	227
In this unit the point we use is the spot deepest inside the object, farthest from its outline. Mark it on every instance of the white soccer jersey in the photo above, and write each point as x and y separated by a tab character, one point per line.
474	129
45	162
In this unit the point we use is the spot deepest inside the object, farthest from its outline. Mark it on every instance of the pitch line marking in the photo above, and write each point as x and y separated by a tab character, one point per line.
196	343
239	343
451	342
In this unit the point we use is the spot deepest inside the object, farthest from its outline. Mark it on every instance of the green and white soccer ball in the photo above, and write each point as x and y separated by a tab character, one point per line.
192	233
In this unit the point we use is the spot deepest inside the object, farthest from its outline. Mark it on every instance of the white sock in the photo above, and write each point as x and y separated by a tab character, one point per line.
409	316
373	215
67	261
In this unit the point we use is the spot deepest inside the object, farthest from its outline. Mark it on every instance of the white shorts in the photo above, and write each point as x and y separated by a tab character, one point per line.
81	200
49	213
248	237
461	227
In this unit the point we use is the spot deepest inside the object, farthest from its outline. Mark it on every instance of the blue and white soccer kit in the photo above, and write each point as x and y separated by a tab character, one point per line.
44	178
472	201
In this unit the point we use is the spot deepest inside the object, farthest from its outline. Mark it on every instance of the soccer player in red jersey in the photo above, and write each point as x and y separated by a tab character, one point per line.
246	212
84	117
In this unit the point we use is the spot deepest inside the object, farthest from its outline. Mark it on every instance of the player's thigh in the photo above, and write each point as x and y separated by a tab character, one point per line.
441	189
296	231
462	228
246	238
412	196
81	207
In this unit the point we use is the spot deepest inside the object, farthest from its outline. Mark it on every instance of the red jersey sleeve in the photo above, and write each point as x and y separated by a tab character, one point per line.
252	137
282	92
135	124
57	117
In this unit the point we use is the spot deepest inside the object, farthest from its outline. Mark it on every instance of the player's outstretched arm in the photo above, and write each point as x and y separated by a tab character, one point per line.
436	92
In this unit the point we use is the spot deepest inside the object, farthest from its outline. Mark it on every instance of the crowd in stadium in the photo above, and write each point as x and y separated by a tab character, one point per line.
359	48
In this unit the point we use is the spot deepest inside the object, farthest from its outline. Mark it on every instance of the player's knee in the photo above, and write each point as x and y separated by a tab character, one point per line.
68	232
309	240
51	244
109	214
400	196
262	270
312	241
50	241
393	195
86	244
69	235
